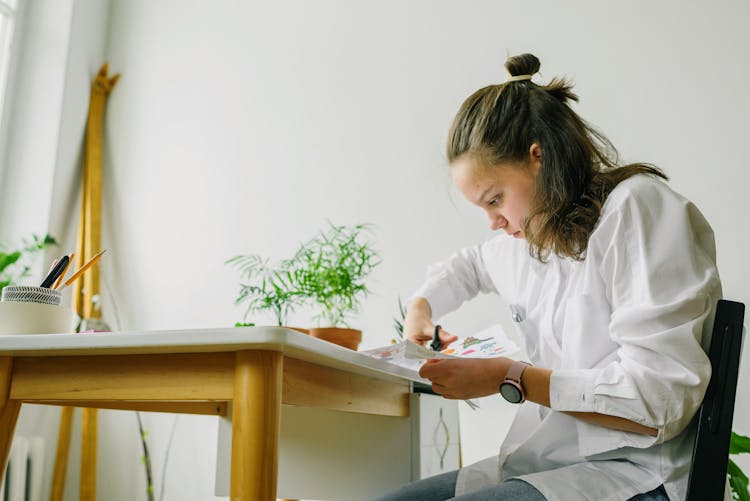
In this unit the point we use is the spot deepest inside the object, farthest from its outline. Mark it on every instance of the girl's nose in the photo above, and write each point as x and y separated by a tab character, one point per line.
497	222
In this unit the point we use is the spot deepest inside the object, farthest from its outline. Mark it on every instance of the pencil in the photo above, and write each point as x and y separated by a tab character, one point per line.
52	266
65	270
83	268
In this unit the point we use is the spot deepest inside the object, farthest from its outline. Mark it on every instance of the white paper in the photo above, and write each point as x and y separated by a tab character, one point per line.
488	343
491	342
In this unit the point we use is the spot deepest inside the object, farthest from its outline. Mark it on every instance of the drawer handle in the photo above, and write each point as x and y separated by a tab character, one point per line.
441	425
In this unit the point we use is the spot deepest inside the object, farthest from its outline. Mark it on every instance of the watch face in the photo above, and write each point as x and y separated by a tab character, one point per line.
510	393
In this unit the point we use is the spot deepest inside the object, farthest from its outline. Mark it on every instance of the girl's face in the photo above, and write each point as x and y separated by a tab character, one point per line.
504	191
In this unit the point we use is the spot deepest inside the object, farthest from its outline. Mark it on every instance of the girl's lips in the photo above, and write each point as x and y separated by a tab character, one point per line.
518	234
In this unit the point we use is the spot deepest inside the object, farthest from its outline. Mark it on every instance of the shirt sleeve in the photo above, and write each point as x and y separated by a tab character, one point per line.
656	256
452	282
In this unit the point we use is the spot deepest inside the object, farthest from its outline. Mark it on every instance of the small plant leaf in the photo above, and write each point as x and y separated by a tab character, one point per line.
8	259
738	482
739	444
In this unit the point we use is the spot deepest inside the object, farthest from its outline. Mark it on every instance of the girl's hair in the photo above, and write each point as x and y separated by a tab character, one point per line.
579	165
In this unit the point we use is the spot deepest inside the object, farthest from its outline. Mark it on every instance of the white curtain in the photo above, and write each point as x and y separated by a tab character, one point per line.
35	118
62	46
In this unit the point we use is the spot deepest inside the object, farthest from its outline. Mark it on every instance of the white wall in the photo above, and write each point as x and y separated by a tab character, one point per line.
239	127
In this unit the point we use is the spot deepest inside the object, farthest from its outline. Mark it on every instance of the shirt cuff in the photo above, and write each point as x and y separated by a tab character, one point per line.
572	390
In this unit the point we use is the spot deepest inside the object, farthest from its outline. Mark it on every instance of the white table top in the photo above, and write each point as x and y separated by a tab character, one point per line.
287	341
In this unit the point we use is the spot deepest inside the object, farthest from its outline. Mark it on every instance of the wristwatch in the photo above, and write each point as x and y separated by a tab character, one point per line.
511	388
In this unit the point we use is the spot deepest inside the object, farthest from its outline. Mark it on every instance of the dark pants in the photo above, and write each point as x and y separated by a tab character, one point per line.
443	487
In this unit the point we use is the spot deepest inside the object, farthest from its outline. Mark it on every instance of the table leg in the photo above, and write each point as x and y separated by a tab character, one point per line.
8	413
256	412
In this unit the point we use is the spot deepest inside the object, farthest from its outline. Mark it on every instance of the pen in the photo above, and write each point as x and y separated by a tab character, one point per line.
436	344
84	268
65	270
55	272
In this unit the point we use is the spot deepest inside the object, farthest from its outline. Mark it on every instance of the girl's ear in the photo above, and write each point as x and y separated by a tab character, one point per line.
535	151
535	158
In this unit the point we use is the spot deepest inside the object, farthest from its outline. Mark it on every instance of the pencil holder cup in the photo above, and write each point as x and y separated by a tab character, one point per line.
31	294
33	310
35	318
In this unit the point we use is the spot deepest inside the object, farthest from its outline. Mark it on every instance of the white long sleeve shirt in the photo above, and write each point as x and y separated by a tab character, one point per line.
625	333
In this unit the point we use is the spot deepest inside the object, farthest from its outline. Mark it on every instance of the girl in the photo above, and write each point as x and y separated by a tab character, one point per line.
612	281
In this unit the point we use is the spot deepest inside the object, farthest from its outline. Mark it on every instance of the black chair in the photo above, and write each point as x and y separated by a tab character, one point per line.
711	451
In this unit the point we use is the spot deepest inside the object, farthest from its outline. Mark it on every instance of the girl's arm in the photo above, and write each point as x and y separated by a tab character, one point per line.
472	378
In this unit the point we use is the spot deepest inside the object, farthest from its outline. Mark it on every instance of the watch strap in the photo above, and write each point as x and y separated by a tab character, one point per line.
516	371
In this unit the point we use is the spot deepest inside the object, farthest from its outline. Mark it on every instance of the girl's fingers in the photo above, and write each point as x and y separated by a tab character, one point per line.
425	336
427	370
446	337
419	338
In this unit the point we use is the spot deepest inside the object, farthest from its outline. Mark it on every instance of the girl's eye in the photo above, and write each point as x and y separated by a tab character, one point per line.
494	202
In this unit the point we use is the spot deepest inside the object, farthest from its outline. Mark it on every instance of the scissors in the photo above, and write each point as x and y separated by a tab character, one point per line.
436	344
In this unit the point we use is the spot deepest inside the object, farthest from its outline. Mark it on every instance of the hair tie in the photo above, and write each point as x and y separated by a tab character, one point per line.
518	77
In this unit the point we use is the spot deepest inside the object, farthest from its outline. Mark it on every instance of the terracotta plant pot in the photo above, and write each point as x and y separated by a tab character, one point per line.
348	338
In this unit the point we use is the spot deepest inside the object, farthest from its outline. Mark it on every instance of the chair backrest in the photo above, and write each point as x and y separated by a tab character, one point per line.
711	451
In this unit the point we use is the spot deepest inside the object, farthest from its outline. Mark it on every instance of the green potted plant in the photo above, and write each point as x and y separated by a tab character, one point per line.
327	272
15	265
332	269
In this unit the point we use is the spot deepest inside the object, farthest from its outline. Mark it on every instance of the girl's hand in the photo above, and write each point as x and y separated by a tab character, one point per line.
465	378
418	326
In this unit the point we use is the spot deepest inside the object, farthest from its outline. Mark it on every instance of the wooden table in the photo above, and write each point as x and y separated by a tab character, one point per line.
201	371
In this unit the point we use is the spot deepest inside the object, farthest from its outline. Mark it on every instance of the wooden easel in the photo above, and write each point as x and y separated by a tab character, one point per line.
83	300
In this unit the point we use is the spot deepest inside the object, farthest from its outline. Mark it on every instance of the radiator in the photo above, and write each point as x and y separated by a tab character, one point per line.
23	476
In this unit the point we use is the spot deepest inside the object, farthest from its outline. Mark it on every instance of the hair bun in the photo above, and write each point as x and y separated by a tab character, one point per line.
523	64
